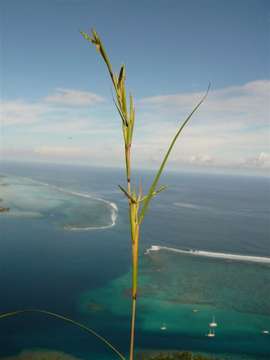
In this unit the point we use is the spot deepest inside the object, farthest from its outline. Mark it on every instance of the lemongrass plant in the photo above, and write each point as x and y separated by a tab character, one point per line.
138	203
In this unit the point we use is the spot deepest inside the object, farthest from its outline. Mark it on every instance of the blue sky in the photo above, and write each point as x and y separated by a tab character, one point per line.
56	96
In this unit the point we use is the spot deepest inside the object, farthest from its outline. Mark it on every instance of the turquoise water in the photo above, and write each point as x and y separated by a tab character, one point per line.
73	210
85	274
180	294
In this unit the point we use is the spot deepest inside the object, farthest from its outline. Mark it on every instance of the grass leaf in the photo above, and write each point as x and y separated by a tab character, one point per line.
127	194
156	179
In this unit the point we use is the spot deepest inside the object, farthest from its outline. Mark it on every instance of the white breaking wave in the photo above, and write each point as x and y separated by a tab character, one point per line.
217	255
114	208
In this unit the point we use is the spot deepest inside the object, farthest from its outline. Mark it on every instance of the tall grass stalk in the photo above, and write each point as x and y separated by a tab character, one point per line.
138	203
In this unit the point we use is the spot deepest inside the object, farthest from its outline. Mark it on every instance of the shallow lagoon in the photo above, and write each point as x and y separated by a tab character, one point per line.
26	197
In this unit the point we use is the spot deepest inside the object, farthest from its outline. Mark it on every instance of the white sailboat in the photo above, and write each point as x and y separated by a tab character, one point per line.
213	324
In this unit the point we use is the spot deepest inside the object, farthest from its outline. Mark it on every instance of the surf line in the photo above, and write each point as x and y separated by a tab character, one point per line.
216	255
113	206
114	210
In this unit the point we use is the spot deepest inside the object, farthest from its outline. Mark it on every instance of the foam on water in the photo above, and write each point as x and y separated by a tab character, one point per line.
114	209
211	254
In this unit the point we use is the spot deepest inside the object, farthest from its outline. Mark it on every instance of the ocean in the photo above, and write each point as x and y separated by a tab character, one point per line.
204	257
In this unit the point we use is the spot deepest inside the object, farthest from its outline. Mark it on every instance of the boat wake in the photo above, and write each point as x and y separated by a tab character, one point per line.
210	254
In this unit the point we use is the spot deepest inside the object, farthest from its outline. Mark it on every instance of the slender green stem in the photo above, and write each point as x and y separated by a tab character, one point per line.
132	328
133	210
135	255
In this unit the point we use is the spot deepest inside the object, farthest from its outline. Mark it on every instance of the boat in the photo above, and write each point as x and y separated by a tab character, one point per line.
213	324
265	332
211	333
163	327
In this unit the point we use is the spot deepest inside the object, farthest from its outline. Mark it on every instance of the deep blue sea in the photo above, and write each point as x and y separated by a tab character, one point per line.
65	248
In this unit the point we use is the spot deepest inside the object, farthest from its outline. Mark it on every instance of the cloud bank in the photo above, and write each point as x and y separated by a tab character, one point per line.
230	130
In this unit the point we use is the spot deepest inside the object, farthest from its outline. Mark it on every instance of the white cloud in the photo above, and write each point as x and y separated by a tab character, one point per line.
231	129
69	97
249	103
201	159
20	112
261	161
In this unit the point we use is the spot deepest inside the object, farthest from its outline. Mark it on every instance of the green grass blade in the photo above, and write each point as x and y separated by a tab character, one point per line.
122	76
156	179
131	117
124	120
73	322
162	188
127	194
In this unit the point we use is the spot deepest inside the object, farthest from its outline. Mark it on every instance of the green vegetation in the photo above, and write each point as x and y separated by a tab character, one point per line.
174	356
41	355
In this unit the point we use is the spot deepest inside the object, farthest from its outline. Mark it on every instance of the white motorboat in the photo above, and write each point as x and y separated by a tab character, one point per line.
211	333
213	324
